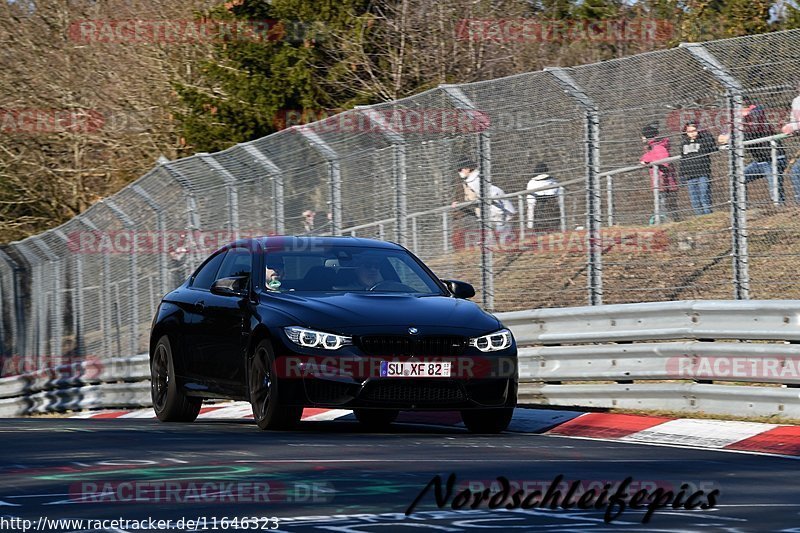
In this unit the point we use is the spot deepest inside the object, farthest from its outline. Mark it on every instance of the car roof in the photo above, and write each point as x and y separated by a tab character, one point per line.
304	242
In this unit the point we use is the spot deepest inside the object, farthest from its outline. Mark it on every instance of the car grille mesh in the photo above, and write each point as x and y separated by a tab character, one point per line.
432	346
413	391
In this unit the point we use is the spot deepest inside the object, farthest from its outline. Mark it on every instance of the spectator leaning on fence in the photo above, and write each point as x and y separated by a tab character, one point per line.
696	166
793	128
501	210
756	126
657	149
544	201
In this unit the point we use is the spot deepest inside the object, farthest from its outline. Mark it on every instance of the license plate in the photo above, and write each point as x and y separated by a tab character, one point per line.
414	370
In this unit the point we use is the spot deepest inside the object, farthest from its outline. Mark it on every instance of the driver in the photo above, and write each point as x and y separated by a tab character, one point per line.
274	273
368	272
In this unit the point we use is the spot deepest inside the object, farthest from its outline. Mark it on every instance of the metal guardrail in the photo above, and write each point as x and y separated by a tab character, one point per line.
92	384
598	356
649	356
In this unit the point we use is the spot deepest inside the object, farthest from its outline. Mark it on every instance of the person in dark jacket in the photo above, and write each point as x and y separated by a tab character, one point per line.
656	150
696	166
756	126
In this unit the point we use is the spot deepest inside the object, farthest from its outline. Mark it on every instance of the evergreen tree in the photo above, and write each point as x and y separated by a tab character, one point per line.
274	67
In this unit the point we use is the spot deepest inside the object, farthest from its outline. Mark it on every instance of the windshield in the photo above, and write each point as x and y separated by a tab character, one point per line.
346	269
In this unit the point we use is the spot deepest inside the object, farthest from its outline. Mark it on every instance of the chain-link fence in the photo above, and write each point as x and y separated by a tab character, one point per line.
529	187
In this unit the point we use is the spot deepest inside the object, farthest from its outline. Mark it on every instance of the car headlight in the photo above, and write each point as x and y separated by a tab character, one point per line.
493	342
308	338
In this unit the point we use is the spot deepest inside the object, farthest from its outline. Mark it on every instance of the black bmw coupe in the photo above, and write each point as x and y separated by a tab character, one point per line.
339	322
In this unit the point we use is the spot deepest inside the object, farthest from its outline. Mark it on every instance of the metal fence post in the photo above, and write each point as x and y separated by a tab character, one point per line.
230	187
593	200
738	187
774	191
105	294
334	176
76	350
461	101
134	285
8	346
399	176
191	208
162	235
656	185
31	332
276	177
55	327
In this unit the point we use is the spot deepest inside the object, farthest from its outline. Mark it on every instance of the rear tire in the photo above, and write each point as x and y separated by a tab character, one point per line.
376	419
487	420
169	402
264	390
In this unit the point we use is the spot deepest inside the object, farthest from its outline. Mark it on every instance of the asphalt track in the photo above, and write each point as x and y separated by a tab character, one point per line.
332	476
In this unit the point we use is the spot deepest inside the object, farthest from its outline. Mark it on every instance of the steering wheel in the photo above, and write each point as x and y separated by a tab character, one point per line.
389	285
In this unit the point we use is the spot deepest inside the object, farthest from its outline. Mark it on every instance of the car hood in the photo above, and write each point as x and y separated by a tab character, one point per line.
354	313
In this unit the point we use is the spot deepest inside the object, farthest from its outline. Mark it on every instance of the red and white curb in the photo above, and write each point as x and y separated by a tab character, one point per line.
694	433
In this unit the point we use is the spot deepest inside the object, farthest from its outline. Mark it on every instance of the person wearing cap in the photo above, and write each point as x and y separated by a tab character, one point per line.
274	272
656	149
545	195
793	128
501	209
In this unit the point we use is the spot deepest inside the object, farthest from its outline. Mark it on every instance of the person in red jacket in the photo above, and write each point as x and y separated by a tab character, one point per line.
656	149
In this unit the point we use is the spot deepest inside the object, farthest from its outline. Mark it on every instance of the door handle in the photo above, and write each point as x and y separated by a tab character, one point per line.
200	305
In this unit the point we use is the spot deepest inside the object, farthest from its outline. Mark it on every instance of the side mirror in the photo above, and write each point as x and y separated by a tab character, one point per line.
460	289
235	286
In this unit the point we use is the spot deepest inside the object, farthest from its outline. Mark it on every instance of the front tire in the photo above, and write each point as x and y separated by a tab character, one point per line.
264	391
169	402
376	419
487	420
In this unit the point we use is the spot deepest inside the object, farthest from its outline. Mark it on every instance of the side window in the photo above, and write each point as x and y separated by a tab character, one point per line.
208	273
237	263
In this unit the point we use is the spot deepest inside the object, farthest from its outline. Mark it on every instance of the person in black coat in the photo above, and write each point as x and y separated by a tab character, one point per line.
695	168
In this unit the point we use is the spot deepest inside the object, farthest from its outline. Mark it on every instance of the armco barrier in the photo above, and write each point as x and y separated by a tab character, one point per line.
649	356
599	356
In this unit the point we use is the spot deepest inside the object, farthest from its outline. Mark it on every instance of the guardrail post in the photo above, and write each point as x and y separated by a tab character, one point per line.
334	176
734	92
134	285
276	177
593	203
399	177
461	101
230	187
